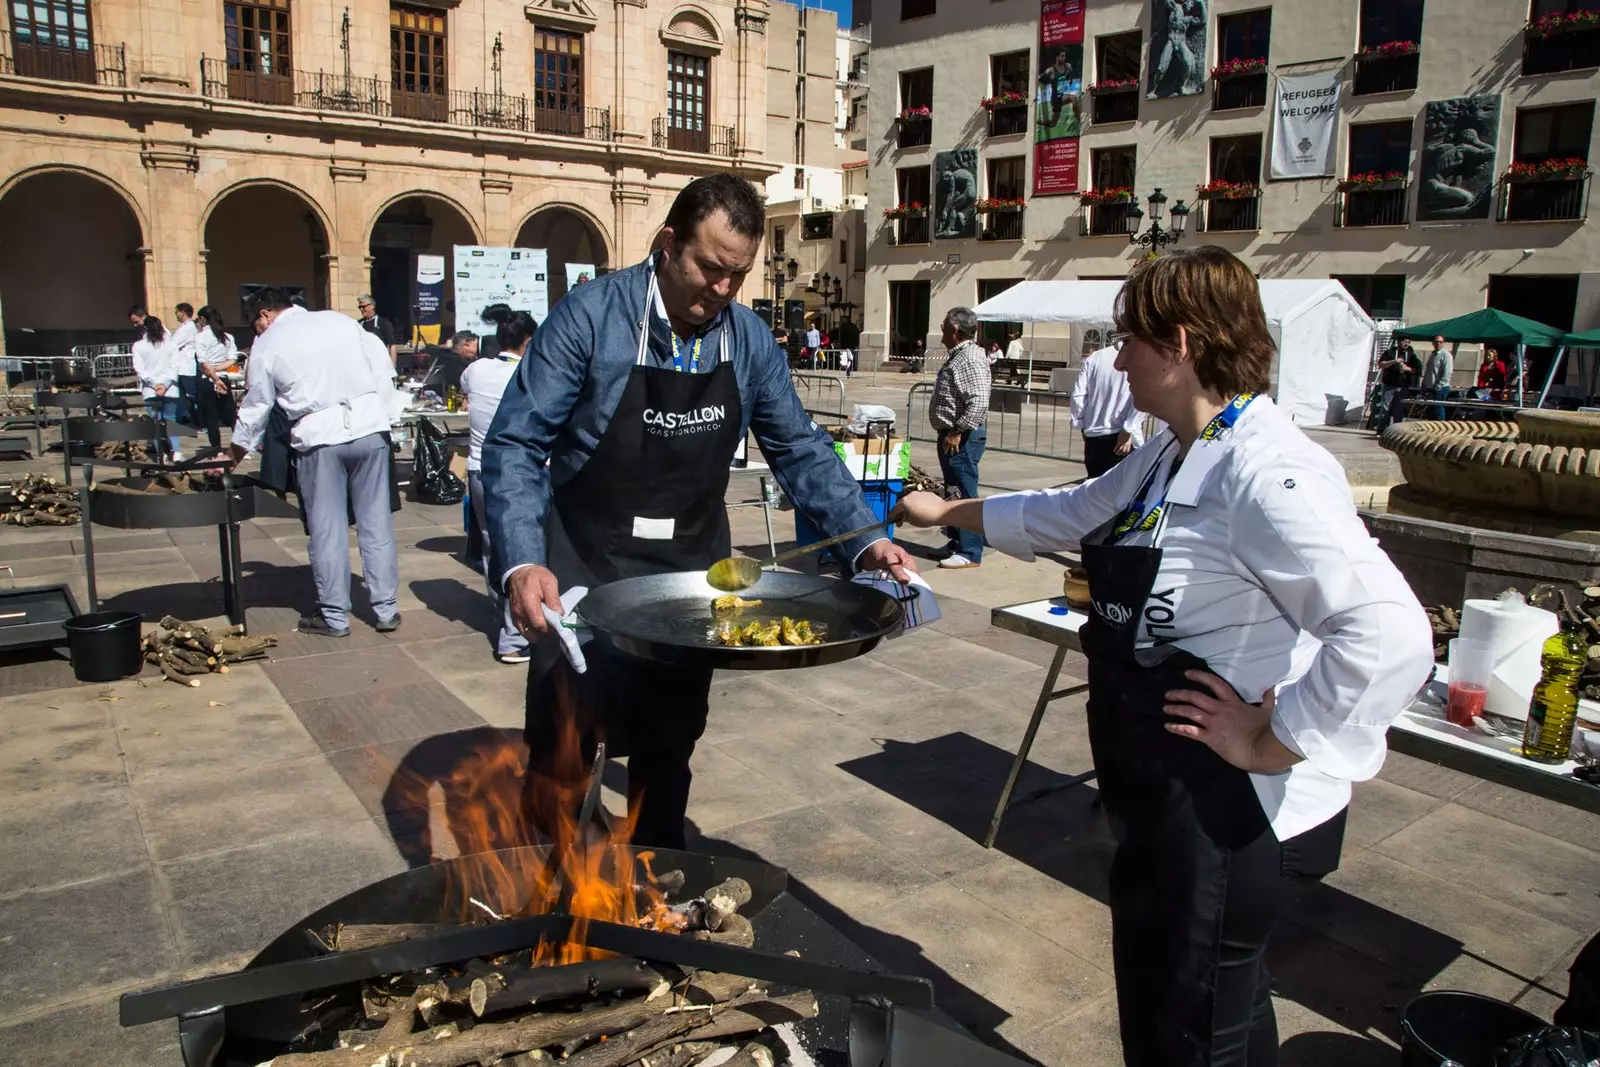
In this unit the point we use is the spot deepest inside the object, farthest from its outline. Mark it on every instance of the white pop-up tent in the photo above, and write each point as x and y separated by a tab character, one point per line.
1324	338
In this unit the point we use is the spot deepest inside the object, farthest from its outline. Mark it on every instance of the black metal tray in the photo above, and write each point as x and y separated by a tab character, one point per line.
33	615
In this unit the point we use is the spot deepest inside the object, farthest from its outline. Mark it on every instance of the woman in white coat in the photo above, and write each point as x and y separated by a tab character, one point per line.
1248	645
155	361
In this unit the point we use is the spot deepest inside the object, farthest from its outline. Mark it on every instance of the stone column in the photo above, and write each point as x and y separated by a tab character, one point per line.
174	268
630	111
349	260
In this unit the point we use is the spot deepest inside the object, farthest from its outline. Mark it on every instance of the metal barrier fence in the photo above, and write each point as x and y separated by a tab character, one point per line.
821	394
109	361
1027	422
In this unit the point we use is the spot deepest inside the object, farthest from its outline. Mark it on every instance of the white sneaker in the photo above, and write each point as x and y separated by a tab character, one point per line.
957	562
513	657
177	457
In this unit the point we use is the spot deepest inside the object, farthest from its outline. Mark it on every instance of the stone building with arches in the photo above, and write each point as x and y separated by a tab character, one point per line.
175	150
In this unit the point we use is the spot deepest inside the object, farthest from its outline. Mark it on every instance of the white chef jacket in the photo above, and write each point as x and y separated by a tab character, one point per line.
1014	350
332	379
212	352
155	364
1268	575
1102	403
183	338
484	381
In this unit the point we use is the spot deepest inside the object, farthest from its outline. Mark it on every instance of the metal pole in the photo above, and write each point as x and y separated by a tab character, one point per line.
1549	379
86	518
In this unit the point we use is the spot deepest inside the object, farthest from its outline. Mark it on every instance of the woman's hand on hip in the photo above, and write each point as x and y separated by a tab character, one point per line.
1238	731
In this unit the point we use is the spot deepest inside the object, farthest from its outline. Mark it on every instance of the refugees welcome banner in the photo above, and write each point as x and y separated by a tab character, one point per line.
1307	108
1056	122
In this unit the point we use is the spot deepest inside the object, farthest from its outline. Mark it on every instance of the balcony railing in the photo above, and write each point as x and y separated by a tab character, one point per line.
1010	119
1571	50
1563	200
912	230
1002	225
914	133
106	64
222	82
1230	215
337	92
1385	74
1373	207
427	106
1239	91
707	141
1119	106
1111	219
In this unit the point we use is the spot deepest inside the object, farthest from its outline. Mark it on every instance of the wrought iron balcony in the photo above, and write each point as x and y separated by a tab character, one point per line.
1373	207
1577	49
1121	105
1234	91
413	104
914	133
1012	118
220	81
706	141
1551	200
1114	218
1229	215
101	64
911	230
1386	74
1002	225
320	91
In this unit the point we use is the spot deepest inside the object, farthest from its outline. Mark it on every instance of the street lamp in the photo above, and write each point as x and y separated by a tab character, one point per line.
1158	236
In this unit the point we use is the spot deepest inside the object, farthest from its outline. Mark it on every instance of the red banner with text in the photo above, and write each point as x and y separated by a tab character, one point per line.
1056	123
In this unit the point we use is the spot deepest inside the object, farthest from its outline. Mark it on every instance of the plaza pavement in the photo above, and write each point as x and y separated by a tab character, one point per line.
150	832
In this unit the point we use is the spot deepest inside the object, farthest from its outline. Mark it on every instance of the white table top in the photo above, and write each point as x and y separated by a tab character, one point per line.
1047	620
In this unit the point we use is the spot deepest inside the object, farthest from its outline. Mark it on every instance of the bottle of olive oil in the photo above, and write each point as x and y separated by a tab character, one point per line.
1553	711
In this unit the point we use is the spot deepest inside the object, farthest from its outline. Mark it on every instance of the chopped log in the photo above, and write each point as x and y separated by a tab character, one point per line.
748	1015
685	1055
735	930
757	1015
754	1054
400	1023
174	676
355	937
670	882
514	988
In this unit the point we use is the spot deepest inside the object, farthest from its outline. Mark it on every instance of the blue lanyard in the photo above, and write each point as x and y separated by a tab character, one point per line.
1134	518
677	356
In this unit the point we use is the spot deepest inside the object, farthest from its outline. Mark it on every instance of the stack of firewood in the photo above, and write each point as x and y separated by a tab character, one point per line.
39	500
919	480
130	452
613	1012
186	650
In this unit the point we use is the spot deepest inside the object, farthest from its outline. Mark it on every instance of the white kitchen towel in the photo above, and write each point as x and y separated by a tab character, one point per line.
920	609
569	628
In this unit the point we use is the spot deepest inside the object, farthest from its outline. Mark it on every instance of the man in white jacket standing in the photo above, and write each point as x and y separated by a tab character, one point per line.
1102	409
333	381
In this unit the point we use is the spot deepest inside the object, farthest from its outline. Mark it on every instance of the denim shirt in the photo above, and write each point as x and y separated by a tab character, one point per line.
570	381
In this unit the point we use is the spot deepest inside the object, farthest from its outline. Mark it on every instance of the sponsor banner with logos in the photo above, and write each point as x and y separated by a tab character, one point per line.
1059	88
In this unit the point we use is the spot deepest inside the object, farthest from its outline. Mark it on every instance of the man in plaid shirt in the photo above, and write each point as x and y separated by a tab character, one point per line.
959	406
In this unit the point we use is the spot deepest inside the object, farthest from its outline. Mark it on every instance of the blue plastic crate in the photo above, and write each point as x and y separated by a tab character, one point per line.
881	498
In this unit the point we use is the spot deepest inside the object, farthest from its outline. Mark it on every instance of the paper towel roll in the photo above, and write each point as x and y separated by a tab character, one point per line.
1515	633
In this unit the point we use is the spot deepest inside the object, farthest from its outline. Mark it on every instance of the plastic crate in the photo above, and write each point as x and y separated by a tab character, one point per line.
881	497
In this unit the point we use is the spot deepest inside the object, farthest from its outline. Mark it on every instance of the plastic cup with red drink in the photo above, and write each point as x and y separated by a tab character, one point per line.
1471	665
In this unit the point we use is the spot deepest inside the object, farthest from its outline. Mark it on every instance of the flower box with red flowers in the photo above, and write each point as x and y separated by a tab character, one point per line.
1551	170
990	204
1388	50
1114	85
1371	180
1119	194
1220	189
1559	22
1006	99
916	114
1238	68
915	209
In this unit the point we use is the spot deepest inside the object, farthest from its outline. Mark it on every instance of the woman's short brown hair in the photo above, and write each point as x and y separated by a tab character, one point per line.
1217	301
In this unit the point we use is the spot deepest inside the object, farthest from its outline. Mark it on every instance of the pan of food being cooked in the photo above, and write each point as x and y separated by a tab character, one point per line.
784	620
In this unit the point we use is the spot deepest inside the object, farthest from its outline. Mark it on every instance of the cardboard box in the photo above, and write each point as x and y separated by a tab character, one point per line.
458	465
875	459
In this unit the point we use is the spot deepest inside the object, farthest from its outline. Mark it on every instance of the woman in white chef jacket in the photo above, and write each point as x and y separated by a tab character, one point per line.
214	352
155	362
1248	647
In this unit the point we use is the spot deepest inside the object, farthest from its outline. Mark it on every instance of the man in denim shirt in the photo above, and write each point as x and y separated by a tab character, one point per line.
608	459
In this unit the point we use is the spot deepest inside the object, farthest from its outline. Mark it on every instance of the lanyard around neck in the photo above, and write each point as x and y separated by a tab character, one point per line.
677	354
650	309
1135	519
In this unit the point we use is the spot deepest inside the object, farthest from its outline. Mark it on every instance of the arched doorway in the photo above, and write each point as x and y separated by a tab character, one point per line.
70	263
408	228
570	240
260	235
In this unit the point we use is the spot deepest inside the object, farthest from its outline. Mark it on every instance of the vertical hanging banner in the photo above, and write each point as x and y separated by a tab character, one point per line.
1177	49
1055	114
1307	109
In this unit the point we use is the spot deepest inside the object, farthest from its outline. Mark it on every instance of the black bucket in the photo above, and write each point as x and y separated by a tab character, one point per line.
1449	1026
104	645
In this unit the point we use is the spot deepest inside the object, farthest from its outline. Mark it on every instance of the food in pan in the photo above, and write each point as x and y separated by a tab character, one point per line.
774	634
731	607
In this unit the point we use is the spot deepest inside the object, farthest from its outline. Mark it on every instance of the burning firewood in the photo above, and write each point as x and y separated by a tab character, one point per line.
186	650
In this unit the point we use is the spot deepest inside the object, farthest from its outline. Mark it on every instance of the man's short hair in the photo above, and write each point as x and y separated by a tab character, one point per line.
1438	340
365	298
137	309
269	299
187	309
460	338
965	322
703	197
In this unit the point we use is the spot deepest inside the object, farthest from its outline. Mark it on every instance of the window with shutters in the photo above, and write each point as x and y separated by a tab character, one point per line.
558	82
688	102
417	63
53	39
257	38
1240	78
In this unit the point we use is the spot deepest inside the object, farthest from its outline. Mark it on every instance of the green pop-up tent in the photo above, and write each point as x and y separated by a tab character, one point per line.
1492	326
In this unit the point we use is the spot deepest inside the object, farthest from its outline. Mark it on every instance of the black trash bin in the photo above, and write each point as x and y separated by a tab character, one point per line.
104	645
1450	1026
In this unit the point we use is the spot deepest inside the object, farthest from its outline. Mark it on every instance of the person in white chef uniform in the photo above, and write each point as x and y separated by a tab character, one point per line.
1104	412
1248	645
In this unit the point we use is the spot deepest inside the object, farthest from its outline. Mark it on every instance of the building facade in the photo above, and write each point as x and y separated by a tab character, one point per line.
1440	102
185	150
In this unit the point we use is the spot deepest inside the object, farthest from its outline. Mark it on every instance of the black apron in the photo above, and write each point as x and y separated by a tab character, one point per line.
649	501
1180	813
